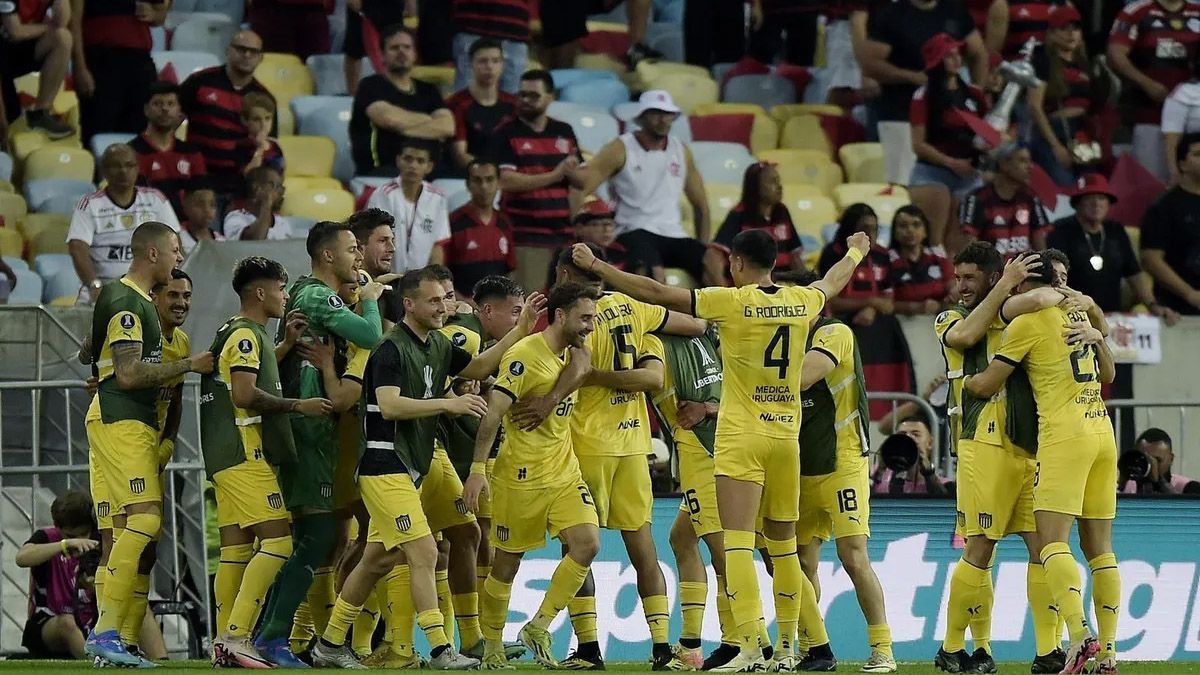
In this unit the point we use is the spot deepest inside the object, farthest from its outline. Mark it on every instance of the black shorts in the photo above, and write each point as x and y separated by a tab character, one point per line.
16	59
659	251
32	640
565	21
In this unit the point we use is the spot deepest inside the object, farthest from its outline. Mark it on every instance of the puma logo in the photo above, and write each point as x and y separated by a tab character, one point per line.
855	519
731	596
1110	608
975	610
789	596
1074	590
110	570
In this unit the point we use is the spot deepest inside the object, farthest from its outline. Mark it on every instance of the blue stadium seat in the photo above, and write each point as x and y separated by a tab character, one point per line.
328	116
203	35
666	38
101	141
615	15
6	166
765	90
565	77
158	38
304	108
49	264
593	126
668	11
177	17
28	290
184	6
63	282
15	262
55	195
301	226
327	72
719	70
450	186
598	93
184	62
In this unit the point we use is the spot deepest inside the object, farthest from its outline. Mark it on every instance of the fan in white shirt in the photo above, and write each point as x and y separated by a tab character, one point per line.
101	233
259	219
420	209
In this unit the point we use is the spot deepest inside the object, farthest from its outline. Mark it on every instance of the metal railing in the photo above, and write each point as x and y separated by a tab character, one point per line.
899	398
1178	439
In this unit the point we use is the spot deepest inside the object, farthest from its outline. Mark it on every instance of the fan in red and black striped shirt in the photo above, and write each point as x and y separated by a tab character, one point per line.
480	107
165	163
1006	212
921	276
481	239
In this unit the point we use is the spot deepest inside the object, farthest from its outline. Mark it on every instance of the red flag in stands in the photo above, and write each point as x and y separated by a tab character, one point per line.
1135	187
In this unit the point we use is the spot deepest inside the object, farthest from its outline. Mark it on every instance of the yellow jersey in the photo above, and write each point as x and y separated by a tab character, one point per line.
243	353
971	418
176	347
1065	378
841	397
349	425
543	457
615	423
763	334
123	313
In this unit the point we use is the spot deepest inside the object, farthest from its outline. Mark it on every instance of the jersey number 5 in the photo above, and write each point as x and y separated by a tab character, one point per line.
620	338
777	351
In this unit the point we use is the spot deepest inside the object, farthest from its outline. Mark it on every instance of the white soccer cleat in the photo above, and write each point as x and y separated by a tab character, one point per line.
452	660
335	657
747	661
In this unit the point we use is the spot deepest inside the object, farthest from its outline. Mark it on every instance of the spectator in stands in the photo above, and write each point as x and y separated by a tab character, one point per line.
503	20
1005	211
1065	108
199	210
375	230
34	38
481	106
212	101
1011	25
845	34
922	478
942	139
259	218
648	171
892	55
1153	46
113	70
299	27
392	106
164	162
1180	115
869	293
1171	234
713	31
9	280
380	13
761	207
62	565
772	20
101	233
921	274
1155	445
257	148
564	24
596	224
1099	252
539	161
481	238
418	206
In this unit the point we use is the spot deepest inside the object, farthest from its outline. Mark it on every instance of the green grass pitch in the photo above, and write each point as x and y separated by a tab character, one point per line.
1127	668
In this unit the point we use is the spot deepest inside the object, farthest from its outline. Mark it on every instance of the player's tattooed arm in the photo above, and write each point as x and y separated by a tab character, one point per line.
647	376
247	395
134	373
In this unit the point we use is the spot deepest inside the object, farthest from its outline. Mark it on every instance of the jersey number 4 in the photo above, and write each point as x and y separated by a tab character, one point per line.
778	350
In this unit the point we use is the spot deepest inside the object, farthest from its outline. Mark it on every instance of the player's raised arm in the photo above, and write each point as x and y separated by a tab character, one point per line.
476	485
839	275
972	329
647	376
483	366
641	288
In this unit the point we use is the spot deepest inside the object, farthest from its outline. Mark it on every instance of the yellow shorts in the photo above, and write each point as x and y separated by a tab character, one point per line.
837	504
485	500
995	490
1078	477
698	485
522	517
621	488
773	463
100	500
124	456
345	487
395	507
442	495
248	494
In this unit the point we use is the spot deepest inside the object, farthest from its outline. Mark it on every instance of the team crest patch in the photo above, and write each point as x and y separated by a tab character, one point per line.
326	490
516	368
941	318
459	339
102	510
275	501
335	302
245	346
985	520
137	485
502	533
460	506
127	321
962	519
403	523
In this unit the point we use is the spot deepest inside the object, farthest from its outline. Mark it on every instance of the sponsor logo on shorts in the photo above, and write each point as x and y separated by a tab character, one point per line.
460	506
275	501
985	520
403	523
102	510
326	490
502	533
137	485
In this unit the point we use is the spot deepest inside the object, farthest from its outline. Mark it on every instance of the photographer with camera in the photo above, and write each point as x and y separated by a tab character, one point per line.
905	465
1147	468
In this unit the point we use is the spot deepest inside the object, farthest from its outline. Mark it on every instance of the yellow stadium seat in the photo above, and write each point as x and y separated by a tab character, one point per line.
293	183
689	91
12	209
48	241
285	76
648	72
285	121
34	224
64	301
851	193
598	62
804	166
687	218
307	155
811	213
785	111
22	142
729	109
721	200
804	132
55	161
678	277
802	190
606	27
11	242
440	76
319	204
863	162
764	135
6	186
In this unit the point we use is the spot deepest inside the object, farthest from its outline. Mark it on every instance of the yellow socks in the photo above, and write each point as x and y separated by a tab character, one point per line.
583	618
741	585
964	588
812	625
302	628
493	612
230	570
131	625
981	617
1045	612
340	620
445	601
1106	596
466	611
725	614
402	610
692	597
434	627
879	637
658	617
123	559
321	598
787	589
257	580
1062	576
564	584
364	625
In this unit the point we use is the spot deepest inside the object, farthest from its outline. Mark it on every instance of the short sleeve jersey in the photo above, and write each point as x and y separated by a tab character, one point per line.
763	333
541	458
107	227
240	220
1162	44
1065	378
835	409
124	314
243	352
349	428
971	418
1010	224
613	423
176	347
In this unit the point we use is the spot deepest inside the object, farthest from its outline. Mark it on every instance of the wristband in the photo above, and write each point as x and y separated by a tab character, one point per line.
855	255
479	469
62	544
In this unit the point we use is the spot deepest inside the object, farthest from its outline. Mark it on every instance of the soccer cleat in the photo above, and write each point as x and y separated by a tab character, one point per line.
1079	653
1049	663
495	661
325	656
817	663
43	120
879	663
239	653
982	662
692	657
670	661
1106	666
577	661
384	657
539	643
958	662
720	656
137	651
279	652
514	650
448	659
746	661
107	646
782	663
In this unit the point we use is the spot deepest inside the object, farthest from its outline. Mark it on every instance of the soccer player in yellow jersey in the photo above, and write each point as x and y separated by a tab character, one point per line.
536	485
122	422
1076	462
764	329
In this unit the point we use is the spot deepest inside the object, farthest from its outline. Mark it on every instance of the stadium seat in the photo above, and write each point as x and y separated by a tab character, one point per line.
183	63
804	132
179	16
852	193
716	166
49	264
6	166
863	162
305	108
100	142
597	93
15	262
56	195
328	74
763	134
802	190
301	226
722	197
669	42
675	276
604	62
565	77
765	90
62	283
786	111
804	166
810	213
12	244
307	155
24	143
230	8
311	183
329	117
649	71
319	204
34	224
709	150
13	207
450	186
593	126
440	76
200	34
689	91
28	290
60	162
48	241
6	186
285	76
